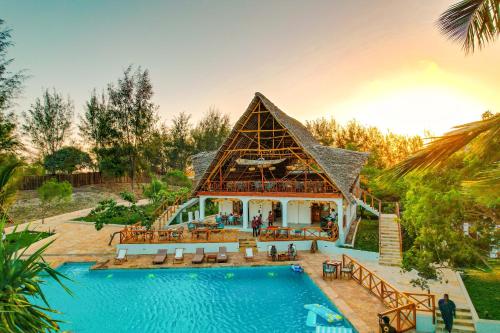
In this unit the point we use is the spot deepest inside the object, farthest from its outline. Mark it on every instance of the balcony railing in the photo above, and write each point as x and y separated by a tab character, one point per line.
279	186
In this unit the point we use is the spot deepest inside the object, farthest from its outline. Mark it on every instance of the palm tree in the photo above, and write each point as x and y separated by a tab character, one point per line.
474	23
436	153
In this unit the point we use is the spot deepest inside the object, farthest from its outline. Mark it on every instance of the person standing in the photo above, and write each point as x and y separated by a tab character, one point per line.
254	226
448	311
270	218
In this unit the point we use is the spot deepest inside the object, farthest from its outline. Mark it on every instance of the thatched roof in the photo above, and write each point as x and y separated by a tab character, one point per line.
340	165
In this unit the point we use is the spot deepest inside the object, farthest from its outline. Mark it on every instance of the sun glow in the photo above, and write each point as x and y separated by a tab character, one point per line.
426	99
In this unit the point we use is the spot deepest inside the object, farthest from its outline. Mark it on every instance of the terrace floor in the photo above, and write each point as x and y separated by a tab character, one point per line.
79	241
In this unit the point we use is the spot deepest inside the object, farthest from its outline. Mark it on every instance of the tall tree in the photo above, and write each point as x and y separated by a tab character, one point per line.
48	122
474	23
211	131
10	87
97	126
180	145
134	113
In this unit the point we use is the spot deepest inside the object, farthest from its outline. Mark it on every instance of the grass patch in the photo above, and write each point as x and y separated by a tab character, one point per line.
122	215
23	239
484	290
367	235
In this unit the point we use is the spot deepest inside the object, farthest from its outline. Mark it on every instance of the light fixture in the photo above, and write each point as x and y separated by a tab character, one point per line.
251	169
272	168
232	169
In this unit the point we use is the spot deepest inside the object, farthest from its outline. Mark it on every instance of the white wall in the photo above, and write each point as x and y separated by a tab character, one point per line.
255	205
136	249
226	206
299	212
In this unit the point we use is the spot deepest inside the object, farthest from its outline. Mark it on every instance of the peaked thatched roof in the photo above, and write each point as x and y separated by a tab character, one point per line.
340	165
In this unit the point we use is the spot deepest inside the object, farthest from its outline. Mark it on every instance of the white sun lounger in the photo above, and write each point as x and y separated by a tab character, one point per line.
179	255
248	253
121	256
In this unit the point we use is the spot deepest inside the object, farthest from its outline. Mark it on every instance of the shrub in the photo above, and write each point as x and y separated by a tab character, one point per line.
177	178
53	192
128	196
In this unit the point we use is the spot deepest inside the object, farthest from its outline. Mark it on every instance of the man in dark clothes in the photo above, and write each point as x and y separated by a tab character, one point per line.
385	326
447	308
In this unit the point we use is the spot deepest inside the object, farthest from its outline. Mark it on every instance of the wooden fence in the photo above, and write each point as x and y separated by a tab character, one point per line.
403	306
78	179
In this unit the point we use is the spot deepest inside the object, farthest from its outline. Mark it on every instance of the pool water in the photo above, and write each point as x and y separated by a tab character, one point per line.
241	299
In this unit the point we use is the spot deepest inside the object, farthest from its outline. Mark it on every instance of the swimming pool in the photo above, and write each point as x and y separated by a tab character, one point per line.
241	299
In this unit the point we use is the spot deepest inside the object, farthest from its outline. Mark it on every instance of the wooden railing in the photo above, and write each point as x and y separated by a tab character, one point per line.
167	208
274	186
402	313
425	302
368	198
306	233
403	305
136	234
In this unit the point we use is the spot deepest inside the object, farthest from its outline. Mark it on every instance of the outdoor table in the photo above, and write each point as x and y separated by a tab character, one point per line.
283	256
337	264
212	256
197	232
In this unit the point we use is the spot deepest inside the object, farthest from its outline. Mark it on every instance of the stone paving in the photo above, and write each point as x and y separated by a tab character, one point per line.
79	241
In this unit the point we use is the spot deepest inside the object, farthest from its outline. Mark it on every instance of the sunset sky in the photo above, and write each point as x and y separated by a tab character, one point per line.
383	63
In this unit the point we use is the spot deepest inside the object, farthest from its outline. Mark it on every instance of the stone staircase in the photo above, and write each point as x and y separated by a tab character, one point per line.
390	238
247	242
462	324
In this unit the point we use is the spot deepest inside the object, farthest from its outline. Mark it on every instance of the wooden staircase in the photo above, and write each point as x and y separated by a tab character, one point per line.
389	240
463	323
247	242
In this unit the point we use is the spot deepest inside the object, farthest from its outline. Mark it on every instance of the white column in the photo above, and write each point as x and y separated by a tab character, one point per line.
245	213
340	219
202	208
284	212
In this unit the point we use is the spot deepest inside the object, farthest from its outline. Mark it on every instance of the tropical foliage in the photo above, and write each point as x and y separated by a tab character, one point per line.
51	193
474	23
23	306
67	160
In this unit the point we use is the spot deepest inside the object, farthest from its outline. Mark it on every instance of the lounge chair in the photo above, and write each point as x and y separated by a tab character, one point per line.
179	255
199	256
249	253
222	255
160	257
121	257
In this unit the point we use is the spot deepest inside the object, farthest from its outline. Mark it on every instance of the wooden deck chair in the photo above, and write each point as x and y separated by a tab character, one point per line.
121	257
179	255
160	257
222	254
199	256
249	253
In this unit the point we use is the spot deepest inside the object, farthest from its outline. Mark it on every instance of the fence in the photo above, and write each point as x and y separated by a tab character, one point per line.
403	306
78	179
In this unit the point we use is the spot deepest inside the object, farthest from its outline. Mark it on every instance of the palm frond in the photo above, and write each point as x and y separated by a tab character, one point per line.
474	23
440	149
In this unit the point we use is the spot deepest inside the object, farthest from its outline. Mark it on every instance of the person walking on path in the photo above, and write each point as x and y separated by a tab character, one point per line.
448	311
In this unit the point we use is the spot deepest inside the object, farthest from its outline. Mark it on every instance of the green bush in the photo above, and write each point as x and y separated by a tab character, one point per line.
177	178
109	212
53	192
128	196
